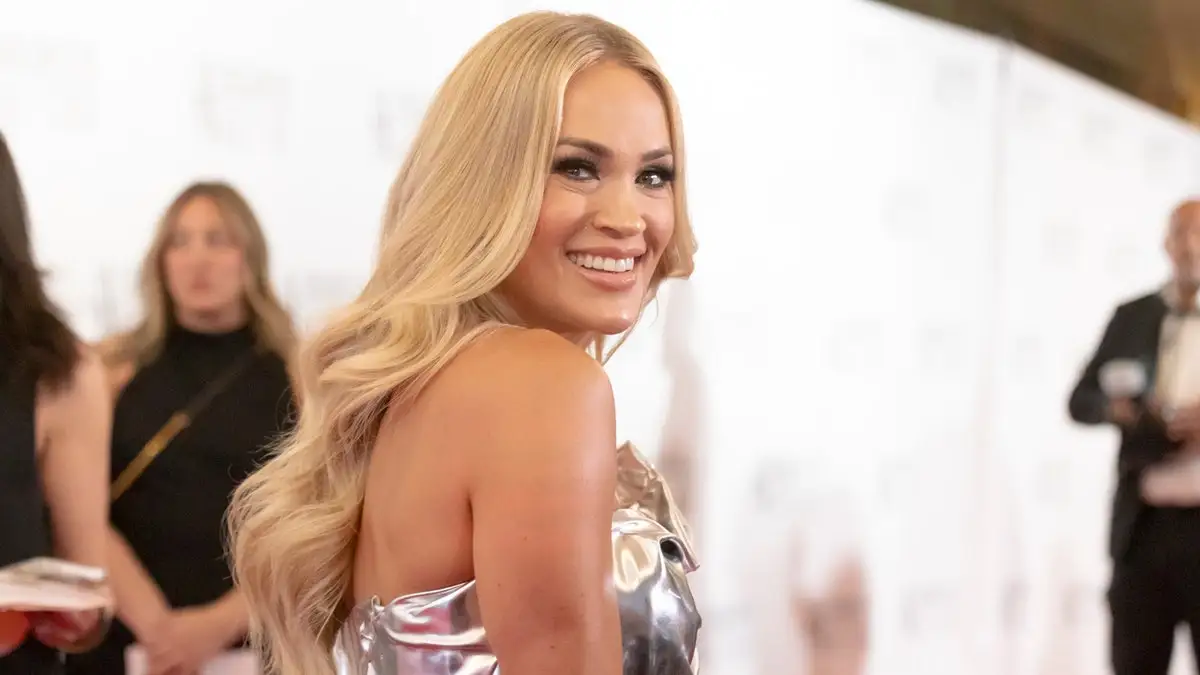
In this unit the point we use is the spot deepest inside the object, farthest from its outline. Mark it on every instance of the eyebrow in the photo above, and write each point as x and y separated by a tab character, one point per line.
601	151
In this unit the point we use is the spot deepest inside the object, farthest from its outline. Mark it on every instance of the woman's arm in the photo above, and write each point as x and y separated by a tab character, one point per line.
232	615
141	605
191	636
542	493
74	433
73	422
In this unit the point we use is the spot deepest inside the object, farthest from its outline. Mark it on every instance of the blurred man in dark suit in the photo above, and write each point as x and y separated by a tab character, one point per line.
1145	380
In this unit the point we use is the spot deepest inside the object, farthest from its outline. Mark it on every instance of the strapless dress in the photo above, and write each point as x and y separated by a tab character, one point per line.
440	632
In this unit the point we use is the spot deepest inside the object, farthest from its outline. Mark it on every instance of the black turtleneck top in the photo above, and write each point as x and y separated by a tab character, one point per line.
173	515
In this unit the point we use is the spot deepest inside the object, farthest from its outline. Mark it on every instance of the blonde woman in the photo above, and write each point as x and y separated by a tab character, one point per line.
446	504
203	388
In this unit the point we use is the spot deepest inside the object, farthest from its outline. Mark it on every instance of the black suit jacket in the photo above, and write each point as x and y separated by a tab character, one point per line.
1132	333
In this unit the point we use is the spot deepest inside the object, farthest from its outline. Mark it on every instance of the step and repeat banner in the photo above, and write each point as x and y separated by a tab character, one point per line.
911	236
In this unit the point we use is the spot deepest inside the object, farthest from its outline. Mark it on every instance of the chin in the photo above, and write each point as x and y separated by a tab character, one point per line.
611	331
204	307
614	325
587	316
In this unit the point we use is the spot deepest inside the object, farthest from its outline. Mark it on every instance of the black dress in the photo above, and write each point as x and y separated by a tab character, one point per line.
24	524
173	515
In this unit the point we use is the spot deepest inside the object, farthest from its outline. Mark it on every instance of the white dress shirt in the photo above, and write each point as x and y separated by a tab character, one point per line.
1176	480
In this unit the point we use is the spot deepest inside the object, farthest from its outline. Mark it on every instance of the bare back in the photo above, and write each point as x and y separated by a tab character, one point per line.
417	528
497	508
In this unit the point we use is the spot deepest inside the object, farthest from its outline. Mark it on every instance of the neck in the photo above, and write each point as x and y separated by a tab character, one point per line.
1186	289
581	340
223	321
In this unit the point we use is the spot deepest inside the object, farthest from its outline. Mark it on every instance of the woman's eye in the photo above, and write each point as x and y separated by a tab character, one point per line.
656	178
576	169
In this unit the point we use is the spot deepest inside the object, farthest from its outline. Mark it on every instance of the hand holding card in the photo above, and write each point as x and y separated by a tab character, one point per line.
51	585
62	604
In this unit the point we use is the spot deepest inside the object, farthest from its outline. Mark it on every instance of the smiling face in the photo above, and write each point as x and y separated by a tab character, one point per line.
608	211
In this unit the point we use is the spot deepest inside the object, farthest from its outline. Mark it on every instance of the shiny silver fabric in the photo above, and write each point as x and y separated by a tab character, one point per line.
440	632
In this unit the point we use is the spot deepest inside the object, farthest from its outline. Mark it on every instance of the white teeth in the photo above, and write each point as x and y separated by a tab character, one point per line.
595	262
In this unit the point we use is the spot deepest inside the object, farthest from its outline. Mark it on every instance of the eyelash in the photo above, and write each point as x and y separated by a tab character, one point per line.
665	174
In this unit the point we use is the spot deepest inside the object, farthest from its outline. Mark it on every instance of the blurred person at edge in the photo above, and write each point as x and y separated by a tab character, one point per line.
1144	379
213	344
54	419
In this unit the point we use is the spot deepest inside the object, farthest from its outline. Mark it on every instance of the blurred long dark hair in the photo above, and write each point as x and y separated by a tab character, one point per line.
34	338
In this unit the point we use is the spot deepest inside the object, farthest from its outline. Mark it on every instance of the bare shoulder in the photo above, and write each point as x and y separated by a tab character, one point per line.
117	369
530	391
540	437
515	374
89	379
77	403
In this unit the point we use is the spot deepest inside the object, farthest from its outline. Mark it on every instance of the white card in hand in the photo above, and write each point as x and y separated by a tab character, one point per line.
233	662
51	585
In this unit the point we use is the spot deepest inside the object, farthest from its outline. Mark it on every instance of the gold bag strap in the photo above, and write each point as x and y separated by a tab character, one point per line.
177	423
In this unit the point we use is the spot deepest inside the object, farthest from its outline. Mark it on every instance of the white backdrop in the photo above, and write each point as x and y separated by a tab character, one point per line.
911	236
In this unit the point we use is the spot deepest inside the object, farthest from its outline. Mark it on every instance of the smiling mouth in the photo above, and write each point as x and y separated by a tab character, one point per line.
602	264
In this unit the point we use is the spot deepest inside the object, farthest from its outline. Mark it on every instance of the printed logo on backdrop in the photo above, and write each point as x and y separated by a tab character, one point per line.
943	349
1032	108
857	345
906	212
1121	263
904	479
899	476
244	108
1052	475
775	485
1097	133
47	83
875	62
1159	157
1026	359
929	610
1077	601
1060	244
1013	604
956	83
394	121
1069	647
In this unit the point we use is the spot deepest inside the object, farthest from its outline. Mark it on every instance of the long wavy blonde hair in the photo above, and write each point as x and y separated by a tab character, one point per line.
271	323
459	218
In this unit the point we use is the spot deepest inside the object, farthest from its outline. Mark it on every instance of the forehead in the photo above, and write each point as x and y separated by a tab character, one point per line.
1186	219
615	106
199	212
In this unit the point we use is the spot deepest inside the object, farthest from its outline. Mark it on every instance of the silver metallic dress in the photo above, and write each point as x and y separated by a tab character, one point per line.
440	632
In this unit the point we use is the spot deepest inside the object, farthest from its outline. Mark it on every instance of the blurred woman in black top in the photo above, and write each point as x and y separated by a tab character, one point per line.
213	329
54	427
